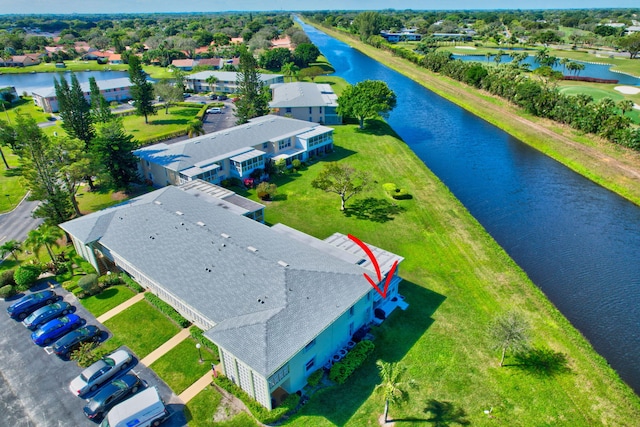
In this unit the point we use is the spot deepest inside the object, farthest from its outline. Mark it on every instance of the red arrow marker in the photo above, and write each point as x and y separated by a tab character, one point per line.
374	261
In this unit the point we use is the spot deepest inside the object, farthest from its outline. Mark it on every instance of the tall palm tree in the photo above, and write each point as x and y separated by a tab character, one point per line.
195	128
45	235
211	81
289	69
11	246
392	388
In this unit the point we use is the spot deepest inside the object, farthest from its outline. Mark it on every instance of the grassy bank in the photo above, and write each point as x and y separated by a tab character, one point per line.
12	189
456	280
609	165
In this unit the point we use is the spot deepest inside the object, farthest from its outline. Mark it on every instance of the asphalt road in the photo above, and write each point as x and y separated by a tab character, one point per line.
16	224
35	384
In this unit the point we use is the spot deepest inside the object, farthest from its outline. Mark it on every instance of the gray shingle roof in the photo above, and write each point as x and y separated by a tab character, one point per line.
302	94
220	145
227	76
264	312
49	92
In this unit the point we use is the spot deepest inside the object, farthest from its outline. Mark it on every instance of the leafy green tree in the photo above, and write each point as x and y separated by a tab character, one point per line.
12	247
631	44
168	92
342	180
368	24
509	332
45	235
74	166
274	59
305	53
366	100
266	190
253	99
75	111
41	169
26	275
393	389
141	89
7	138
100	110
112	148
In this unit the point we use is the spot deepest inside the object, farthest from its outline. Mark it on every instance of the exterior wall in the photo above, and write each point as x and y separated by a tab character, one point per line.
250	381
50	104
157	174
318	114
86	252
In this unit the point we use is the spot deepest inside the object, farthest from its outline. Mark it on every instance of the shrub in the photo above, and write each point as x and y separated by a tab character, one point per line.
89	284
6	278
167	310
87	354
296	163
79	292
389	187
26	275
314	379
198	335
108	280
261	413
397	193
352	361
69	285
266	190
7	291
131	284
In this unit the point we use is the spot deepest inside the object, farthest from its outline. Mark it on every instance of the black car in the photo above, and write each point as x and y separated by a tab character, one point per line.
70	341
113	393
29	303
47	313
222	97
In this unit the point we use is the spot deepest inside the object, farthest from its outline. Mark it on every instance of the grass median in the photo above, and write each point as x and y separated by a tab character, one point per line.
457	279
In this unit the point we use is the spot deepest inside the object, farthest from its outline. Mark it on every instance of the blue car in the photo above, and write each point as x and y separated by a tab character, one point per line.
73	339
46	313
28	303
54	329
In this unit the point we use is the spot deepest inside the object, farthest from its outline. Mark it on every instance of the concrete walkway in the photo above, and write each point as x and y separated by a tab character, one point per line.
160	351
109	314
196	388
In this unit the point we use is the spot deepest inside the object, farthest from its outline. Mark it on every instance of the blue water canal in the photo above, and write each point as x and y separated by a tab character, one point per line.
577	241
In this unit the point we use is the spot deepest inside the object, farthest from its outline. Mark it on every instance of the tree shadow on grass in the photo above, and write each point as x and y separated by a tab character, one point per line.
542	362
169	122
13	172
398	334
372	209
442	414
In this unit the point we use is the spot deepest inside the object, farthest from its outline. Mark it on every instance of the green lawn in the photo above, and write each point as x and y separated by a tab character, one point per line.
180	367
12	189
200	410
141	327
26	107
107	299
456	280
599	91
161	123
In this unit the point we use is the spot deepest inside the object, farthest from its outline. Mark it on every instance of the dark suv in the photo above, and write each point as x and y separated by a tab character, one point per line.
70	341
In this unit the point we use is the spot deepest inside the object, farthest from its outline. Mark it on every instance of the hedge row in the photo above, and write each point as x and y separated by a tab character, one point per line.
161	137
198	335
167	310
131	284
314	379
352	361
261	413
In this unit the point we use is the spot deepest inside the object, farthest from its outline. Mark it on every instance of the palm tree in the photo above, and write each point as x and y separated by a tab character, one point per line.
488	56
45	235
195	128
498	57
564	61
509	332
211	81
10	246
289	69
625	106
392	388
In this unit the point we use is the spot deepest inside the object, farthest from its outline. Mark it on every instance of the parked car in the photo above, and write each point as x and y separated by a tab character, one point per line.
222	97
46	313
214	110
97	374
142	410
54	329
131	102
70	341
114	392
29	303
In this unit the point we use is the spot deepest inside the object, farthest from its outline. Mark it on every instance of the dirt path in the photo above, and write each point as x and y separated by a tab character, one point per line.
607	164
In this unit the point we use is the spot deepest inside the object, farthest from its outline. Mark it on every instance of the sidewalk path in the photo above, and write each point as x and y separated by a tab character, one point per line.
128	303
196	388
160	351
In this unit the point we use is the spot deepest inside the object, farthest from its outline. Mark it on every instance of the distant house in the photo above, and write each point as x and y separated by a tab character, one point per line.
23	60
97	55
184	64
406	34
235	152
215	63
279	304
282	42
236	40
115	58
112	90
305	101
466	37
226	81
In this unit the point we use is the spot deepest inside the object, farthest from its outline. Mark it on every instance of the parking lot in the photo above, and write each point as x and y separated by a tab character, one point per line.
35	384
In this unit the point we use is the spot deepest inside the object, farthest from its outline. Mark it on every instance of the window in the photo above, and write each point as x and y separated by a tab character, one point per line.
351	331
288	110
320	110
310	364
351	310
310	345
310	110
265	145
278	376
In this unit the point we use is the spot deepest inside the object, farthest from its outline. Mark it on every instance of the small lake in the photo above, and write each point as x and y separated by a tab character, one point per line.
28	82
599	71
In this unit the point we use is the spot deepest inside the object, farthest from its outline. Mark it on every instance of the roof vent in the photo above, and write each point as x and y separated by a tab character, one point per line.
252	249
225	235
179	213
362	261
157	202
200	223
282	263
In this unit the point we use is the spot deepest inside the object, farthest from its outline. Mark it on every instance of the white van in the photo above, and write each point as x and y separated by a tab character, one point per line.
142	410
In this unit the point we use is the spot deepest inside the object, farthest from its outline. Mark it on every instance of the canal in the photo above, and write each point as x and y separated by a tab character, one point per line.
577	241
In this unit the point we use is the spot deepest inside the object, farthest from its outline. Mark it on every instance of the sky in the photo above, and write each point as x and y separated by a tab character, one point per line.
150	6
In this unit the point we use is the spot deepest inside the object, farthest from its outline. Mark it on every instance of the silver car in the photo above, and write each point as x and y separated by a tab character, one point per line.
101	371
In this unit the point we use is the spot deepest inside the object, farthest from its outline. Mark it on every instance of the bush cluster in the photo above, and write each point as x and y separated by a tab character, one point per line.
261	413
167	310
352	361
314	379
6	278
395	192
7	291
108	280
131	284
89	284
26	275
198	335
